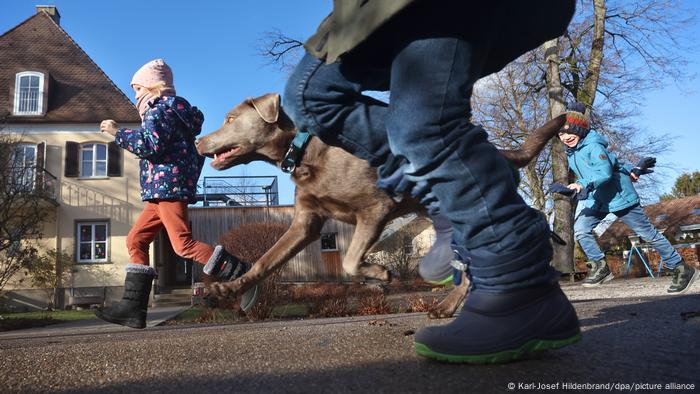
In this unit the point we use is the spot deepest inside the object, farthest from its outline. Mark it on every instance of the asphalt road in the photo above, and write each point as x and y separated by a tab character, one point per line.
632	335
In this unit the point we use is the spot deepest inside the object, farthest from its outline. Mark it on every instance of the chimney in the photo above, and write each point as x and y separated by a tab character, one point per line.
51	10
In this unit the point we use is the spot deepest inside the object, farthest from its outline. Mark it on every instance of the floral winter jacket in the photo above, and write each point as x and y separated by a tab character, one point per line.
170	164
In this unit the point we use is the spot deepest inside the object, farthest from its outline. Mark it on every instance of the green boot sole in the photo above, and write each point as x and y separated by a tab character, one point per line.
532	346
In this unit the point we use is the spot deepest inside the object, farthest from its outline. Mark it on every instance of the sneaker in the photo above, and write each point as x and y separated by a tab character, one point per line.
226	267
683	276
501	327
598	274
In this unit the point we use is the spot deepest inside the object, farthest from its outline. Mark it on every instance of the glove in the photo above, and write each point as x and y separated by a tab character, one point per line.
643	166
583	194
561	189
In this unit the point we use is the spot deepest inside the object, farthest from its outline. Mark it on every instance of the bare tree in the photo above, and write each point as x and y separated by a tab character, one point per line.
613	51
400	256
25	203
616	51
49	271
280	50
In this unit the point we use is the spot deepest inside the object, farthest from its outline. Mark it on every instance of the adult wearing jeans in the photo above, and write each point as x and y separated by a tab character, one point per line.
428	55
608	187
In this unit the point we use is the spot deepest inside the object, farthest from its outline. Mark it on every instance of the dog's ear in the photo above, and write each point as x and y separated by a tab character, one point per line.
267	106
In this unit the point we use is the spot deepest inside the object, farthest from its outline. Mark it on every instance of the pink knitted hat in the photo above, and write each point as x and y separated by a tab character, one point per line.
152	73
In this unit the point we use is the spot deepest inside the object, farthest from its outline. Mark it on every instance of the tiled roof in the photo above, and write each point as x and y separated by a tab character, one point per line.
669	215
79	91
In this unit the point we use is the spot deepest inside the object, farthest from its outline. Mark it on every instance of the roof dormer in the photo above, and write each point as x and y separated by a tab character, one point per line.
30	93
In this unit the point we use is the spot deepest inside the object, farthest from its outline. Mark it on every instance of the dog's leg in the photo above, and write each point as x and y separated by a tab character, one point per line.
305	228
449	305
366	234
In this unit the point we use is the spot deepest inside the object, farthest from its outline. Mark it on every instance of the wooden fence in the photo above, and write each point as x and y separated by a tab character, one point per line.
311	265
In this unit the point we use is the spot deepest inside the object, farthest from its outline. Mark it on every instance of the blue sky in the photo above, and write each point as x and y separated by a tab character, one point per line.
211	46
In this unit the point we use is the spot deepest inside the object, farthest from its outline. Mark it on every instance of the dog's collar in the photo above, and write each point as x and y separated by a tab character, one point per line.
296	150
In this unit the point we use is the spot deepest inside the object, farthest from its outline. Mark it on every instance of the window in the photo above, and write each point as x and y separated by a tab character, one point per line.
29	93
23	166
328	243
93	160
92	242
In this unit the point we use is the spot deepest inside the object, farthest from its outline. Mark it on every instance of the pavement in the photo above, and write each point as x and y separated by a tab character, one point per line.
156	316
635	338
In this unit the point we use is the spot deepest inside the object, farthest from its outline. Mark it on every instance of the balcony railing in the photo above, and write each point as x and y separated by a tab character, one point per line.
33	181
238	191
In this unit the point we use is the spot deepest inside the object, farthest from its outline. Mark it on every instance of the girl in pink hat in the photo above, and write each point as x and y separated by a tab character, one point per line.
169	169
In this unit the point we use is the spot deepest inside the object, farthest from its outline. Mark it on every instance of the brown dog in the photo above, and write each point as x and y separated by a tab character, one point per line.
331	183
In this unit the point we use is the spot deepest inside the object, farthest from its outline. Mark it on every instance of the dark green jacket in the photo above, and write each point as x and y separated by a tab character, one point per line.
507	28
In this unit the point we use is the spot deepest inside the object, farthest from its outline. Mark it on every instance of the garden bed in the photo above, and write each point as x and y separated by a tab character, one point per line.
279	302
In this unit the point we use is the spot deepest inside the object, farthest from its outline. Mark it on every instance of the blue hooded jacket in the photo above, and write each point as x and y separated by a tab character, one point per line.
597	168
170	165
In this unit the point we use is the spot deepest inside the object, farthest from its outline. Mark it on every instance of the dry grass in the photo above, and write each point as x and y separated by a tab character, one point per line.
373	302
420	304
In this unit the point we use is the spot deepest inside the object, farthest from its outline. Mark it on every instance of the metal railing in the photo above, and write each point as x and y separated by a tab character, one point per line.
32	181
238	191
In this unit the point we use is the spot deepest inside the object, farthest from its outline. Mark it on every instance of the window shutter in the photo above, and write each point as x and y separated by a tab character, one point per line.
114	157
71	168
41	155
40	164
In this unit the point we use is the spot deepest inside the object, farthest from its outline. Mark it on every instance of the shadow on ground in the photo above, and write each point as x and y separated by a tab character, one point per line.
625	342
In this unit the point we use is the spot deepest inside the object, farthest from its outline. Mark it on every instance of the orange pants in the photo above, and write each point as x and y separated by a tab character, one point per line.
173	216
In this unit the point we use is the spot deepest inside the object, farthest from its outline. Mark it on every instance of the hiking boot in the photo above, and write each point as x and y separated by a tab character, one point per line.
598	274
226	267
500	327
131	311
683	276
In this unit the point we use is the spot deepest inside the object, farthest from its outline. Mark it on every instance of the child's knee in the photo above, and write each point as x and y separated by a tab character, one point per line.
134	240
581	232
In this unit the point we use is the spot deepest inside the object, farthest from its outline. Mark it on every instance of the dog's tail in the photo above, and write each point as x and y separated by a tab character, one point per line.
534	143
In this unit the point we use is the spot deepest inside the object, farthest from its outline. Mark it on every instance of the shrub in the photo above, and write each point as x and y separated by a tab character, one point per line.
373	302
249	242
332	307
419	304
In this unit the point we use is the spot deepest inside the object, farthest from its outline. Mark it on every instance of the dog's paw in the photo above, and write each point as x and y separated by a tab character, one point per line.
375	271
441	312
210	301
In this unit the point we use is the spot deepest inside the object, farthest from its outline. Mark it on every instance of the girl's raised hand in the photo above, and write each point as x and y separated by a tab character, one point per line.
109	126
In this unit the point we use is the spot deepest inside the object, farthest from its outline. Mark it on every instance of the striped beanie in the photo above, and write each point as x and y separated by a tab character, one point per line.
576	120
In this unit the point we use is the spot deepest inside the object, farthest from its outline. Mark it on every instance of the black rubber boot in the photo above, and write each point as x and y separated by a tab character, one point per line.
131	311
225	267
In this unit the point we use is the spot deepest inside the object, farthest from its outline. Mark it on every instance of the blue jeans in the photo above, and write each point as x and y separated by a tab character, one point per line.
426	124
635	218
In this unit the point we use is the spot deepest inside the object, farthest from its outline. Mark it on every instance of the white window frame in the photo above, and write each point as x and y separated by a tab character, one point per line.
335	238
93	147
40	94
27	166
92	242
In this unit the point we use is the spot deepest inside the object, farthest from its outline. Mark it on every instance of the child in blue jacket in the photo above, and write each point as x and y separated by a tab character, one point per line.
169	169
608	186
